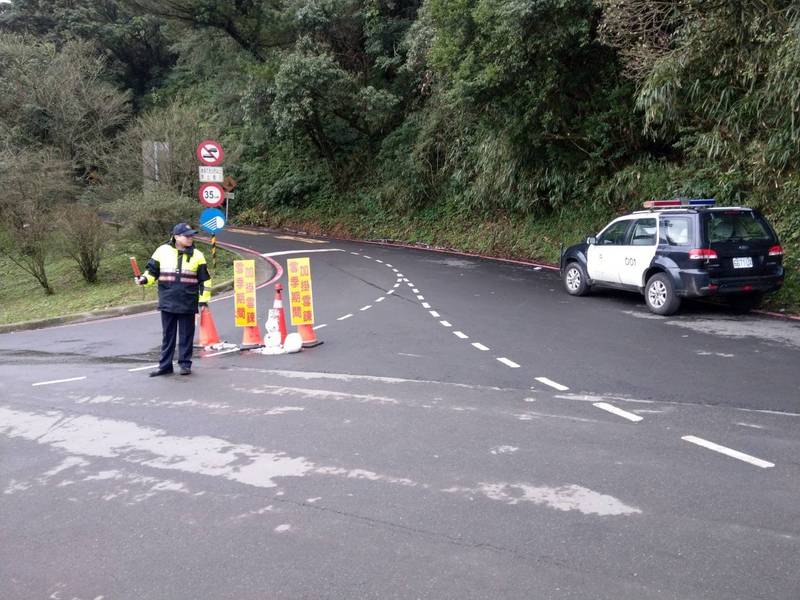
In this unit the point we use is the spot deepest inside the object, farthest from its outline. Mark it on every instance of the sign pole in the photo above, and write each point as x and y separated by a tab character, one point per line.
214	251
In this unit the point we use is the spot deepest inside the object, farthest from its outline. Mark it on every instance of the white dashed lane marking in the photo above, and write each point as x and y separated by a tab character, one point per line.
552	384
321	326
381	299
618	411
728	452
142	368
367	307
461	335
508	363
58	381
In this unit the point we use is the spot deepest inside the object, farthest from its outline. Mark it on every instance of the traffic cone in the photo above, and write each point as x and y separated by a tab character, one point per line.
277	304
309	336
208	335
251	338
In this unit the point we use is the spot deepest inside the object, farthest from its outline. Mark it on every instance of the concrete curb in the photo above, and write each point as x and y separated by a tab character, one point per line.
132	309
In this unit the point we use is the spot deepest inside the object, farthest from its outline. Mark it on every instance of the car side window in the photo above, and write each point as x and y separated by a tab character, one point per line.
644	233
614	234
676	231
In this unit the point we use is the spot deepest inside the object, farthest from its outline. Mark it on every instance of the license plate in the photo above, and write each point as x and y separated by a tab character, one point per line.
743	262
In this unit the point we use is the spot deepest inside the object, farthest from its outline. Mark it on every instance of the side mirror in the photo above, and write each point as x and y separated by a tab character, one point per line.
591	240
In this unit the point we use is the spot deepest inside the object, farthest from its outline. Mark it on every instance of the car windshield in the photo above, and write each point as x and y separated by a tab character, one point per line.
735	226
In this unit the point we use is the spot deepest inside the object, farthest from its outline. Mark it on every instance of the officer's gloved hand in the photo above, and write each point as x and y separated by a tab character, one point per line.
141	280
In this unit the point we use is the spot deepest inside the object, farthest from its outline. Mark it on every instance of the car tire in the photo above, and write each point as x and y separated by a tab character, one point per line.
745	303
660	296
575	279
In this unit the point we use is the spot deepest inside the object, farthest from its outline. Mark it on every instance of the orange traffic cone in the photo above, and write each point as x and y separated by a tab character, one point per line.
278	305
251	338
208	329
309	336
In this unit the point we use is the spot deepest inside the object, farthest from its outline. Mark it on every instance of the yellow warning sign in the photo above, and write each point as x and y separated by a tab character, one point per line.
300	295
244	292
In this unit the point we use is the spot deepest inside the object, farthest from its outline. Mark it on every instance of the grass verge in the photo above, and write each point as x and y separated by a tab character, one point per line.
23	299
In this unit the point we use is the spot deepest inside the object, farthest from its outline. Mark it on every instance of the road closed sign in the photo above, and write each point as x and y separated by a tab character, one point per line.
209	153
211	195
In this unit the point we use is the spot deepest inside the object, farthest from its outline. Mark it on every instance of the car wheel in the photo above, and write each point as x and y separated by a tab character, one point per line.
575	279
746	302
659	295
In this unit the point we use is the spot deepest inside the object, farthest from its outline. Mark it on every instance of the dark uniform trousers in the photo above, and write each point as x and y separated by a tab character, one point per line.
177	327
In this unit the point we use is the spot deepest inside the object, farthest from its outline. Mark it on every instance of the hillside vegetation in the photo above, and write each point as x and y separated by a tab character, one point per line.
501	126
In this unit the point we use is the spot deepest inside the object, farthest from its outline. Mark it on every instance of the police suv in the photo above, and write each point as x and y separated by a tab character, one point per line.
680	249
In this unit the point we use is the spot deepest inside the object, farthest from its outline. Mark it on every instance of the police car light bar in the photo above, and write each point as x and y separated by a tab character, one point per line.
680	202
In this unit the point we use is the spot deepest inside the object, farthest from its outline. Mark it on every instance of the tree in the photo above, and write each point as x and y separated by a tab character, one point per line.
59	98
136	46
36	184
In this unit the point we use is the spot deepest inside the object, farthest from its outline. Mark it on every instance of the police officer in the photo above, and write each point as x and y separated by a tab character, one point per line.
183	284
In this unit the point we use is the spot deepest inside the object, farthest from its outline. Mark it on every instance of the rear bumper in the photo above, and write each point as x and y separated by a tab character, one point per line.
701	284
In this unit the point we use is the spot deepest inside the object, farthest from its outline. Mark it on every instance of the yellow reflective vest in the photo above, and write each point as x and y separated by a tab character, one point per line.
182	276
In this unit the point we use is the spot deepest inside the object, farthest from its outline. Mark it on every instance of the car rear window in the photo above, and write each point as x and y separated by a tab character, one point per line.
735	226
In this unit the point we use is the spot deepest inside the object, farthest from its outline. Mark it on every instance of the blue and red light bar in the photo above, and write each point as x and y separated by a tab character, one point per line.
680	202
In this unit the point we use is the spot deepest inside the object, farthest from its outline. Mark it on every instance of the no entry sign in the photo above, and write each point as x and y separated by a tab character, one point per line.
211	195
210	153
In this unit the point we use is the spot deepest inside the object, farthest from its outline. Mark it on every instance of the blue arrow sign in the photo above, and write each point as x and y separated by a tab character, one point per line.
212	220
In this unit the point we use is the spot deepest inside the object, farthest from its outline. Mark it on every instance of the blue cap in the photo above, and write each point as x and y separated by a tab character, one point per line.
183	229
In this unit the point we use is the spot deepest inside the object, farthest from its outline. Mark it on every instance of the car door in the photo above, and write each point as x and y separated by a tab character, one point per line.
639	250
606	254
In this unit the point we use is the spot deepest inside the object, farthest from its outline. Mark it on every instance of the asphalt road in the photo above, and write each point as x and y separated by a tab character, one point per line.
467	430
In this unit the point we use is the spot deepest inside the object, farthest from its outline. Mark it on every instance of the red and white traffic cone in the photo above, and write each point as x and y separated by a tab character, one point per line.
277	304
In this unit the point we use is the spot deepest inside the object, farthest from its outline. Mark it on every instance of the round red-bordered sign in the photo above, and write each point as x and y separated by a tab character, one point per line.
211	195
210	153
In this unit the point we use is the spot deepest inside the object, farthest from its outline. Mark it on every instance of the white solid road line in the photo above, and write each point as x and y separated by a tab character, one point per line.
552	384
271	254
347	316
728	452
142	368
434	314
480	347
321	326
618	411
58	381
445	323
508	363
461	335
367	307
221	352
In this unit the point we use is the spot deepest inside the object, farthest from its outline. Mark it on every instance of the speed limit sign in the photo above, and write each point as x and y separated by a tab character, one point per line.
211	195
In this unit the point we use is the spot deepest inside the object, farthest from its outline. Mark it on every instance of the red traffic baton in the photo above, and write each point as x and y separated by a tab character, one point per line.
135	267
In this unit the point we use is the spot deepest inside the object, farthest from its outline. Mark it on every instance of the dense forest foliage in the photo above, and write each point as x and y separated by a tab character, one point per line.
507	126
